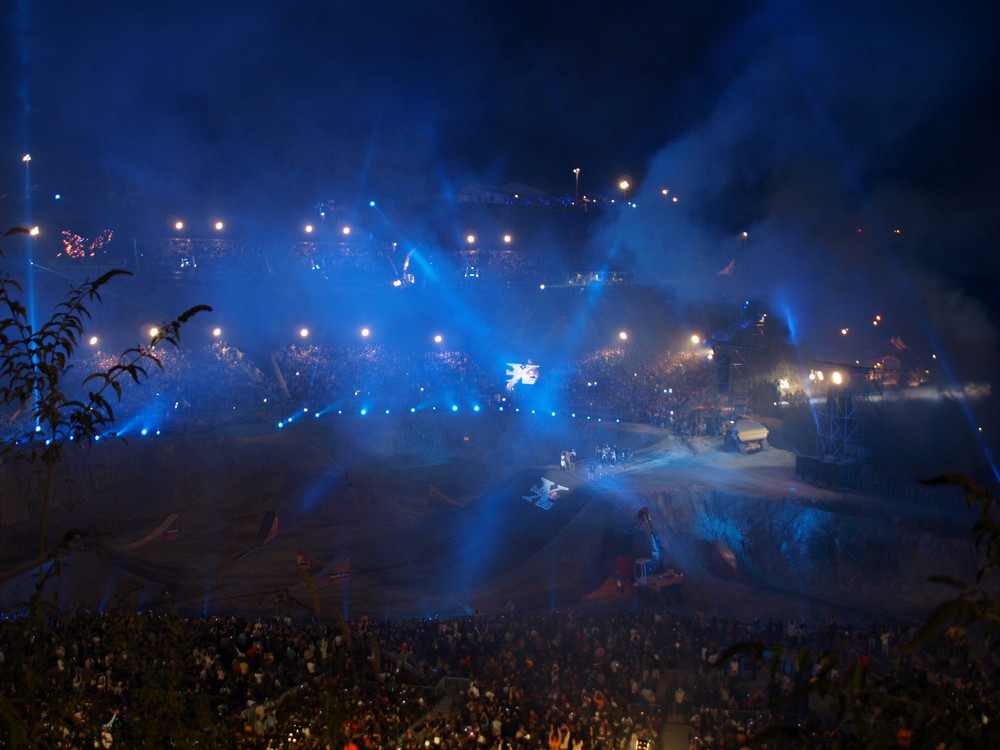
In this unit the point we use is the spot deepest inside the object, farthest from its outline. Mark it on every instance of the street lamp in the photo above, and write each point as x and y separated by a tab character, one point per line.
27	191
576	174
624	184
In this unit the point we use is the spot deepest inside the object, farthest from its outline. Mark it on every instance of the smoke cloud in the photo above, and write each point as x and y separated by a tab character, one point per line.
834	147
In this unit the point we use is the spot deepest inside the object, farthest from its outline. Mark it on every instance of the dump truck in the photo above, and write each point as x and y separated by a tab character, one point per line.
748	436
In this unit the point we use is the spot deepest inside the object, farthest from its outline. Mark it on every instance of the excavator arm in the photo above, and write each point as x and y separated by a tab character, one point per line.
642	521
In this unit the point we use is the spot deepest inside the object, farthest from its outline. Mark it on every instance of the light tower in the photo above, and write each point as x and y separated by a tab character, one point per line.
843	426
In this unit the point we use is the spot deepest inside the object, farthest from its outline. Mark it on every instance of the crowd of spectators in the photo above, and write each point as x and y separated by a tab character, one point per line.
640	386
222	383
573	680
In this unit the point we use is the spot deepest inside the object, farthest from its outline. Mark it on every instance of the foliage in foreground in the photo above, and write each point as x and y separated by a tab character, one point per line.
941	689
43	422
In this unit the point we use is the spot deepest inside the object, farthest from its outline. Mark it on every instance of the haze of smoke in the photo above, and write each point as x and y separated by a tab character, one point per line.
800	151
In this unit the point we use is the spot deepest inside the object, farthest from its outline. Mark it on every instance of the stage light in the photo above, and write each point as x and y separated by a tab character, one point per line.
178	225
470	238
371	203
345	231
216	332
316	415
280	425
413	410
143	431
507	239
365	333
454	408
553	414
438	338
541	286
309	228
386	411
695	339
219	226
623	335
153	332
364	412
475	408
303	332
837	378
93	340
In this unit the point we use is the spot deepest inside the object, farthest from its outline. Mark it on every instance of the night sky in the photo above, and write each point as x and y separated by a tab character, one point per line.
855	142
284	103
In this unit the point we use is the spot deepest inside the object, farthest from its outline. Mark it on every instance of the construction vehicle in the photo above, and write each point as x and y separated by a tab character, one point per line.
748	436
652	578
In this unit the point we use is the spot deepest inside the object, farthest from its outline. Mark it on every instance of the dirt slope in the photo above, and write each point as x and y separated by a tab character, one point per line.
436	521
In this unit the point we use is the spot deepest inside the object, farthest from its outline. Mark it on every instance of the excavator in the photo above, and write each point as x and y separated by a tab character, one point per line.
651	577
647	577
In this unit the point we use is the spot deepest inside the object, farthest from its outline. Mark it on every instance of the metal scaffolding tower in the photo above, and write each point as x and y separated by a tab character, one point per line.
734	372
845	418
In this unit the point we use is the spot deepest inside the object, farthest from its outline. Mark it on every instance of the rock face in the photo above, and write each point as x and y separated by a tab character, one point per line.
846	553
445	514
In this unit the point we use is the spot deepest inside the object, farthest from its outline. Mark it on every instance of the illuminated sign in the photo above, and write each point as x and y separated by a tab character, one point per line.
544	495
518	373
